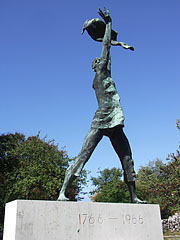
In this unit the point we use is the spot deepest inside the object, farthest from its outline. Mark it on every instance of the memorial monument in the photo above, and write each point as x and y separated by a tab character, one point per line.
109	118
52	220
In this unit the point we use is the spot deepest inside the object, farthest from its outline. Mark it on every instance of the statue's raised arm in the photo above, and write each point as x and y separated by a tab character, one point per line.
107	36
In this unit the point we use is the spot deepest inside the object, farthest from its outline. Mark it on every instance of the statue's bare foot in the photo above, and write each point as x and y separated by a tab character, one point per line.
138	201
62	197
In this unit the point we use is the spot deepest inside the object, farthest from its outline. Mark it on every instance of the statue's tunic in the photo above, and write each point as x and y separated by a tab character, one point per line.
109	113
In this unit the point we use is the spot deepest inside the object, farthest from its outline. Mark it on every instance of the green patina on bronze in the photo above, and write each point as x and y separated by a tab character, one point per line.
109	119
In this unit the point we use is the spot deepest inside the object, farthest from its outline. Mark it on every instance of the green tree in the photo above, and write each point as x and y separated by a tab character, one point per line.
178	124
109	187
160	183
170	190
33	168
149	179
7	164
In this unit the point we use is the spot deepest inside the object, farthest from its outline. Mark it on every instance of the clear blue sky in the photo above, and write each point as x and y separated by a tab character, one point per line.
46	77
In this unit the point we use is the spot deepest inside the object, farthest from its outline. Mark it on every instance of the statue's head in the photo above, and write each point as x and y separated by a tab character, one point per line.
94	63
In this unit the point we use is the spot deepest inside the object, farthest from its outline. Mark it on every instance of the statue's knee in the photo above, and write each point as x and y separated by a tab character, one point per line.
128	162
129	177
70	170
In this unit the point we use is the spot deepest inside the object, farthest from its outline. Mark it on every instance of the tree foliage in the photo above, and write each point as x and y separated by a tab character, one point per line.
33	168
160	183
178	124
109	187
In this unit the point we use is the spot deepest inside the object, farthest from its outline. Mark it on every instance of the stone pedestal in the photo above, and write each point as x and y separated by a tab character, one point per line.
53	220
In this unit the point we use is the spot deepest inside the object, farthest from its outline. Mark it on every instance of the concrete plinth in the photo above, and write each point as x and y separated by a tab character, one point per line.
52	220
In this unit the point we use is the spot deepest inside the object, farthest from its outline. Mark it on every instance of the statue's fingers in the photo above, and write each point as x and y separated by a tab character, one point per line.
105	11
101	13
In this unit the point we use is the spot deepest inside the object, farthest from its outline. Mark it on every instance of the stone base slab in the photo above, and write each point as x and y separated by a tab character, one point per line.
53	220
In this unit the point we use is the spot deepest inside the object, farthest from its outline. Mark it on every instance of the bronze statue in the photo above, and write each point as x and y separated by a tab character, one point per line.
108	120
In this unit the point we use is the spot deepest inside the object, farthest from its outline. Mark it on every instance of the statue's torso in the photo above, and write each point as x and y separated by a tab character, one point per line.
109	113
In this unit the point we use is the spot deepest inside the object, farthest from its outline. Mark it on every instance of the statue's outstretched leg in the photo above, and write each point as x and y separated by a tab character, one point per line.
122	148
73	171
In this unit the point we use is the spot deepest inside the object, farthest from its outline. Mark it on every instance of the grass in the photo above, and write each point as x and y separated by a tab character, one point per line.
172	236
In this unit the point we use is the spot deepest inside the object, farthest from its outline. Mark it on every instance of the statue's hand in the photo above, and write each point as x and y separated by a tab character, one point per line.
105	15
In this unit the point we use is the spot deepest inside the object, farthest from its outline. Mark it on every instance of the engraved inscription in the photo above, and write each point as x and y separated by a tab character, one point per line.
84	218
100	219
128	219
